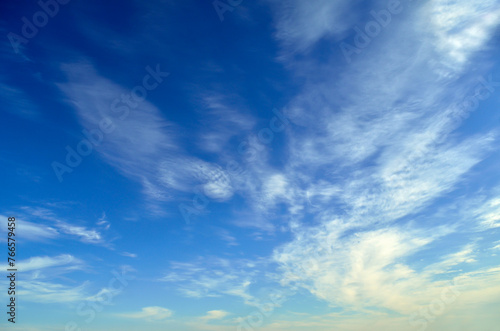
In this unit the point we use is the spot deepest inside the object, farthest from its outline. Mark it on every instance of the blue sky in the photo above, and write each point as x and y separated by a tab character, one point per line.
252	165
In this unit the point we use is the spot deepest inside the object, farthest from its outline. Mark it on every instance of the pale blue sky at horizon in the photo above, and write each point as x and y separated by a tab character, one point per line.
251	165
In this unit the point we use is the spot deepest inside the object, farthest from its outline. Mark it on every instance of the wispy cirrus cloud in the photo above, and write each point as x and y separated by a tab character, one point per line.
50	292
142	145
367	152
213	278
37	263
368	270
131	255
497	246
488	214
154	313
18	103
370	152
300	25
403	133
33	231
381	150
479	213
223	119
58	227
85	234
460	28
44	281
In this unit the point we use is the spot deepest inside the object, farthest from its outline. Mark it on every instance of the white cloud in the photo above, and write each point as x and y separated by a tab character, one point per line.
460	28
375	150
142	145
214	315
184	174
223	119
132	255
370	144
31	231
154	313
275	187
61	226
299	24
357	271
91	236
103	222
466	255
496	245
43	262
226	236
38	279
369	269
383	151
213	277
48	292
370	149
478	213
489	214
139	134
104	295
